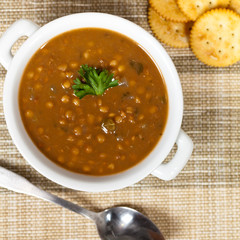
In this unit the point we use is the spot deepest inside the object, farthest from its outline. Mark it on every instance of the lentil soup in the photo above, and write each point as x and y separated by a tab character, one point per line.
95	135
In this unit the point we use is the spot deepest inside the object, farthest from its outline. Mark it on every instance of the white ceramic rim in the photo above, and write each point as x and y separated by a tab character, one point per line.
49	169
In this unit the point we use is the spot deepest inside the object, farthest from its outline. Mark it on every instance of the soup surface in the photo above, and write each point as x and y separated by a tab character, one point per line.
95	135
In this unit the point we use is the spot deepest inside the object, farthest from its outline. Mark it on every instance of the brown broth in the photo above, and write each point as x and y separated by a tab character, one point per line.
70	131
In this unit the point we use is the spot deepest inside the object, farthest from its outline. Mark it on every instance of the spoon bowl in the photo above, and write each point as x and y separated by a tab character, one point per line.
117	223
123	223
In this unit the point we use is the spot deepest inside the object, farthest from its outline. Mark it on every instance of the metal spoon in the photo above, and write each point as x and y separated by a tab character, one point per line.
117	223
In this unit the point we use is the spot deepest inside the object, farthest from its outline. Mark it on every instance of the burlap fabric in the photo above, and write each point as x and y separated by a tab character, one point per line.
203	202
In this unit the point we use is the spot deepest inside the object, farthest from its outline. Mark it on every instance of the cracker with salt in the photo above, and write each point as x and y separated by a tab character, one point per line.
215	37
235	5
194	8
169	10
171	33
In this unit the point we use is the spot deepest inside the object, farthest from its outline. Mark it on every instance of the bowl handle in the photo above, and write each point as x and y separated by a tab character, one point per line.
168	171
18	29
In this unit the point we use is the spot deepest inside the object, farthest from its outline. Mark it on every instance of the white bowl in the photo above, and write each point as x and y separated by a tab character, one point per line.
152	164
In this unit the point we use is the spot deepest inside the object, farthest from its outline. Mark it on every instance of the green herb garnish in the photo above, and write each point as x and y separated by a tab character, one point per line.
94	81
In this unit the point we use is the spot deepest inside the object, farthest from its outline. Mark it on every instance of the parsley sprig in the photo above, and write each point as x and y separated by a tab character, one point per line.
94	81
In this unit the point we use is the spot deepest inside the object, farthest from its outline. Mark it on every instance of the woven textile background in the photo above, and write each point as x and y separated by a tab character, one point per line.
203	202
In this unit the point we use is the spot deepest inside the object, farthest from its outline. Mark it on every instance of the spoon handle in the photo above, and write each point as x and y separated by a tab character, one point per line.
17	183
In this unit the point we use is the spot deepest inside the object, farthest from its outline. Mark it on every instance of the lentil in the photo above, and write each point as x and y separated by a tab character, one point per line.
104	109
65	99
77	131
66	84
62	67
49	104
89	149
113	63
76	102
100	138
29	114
